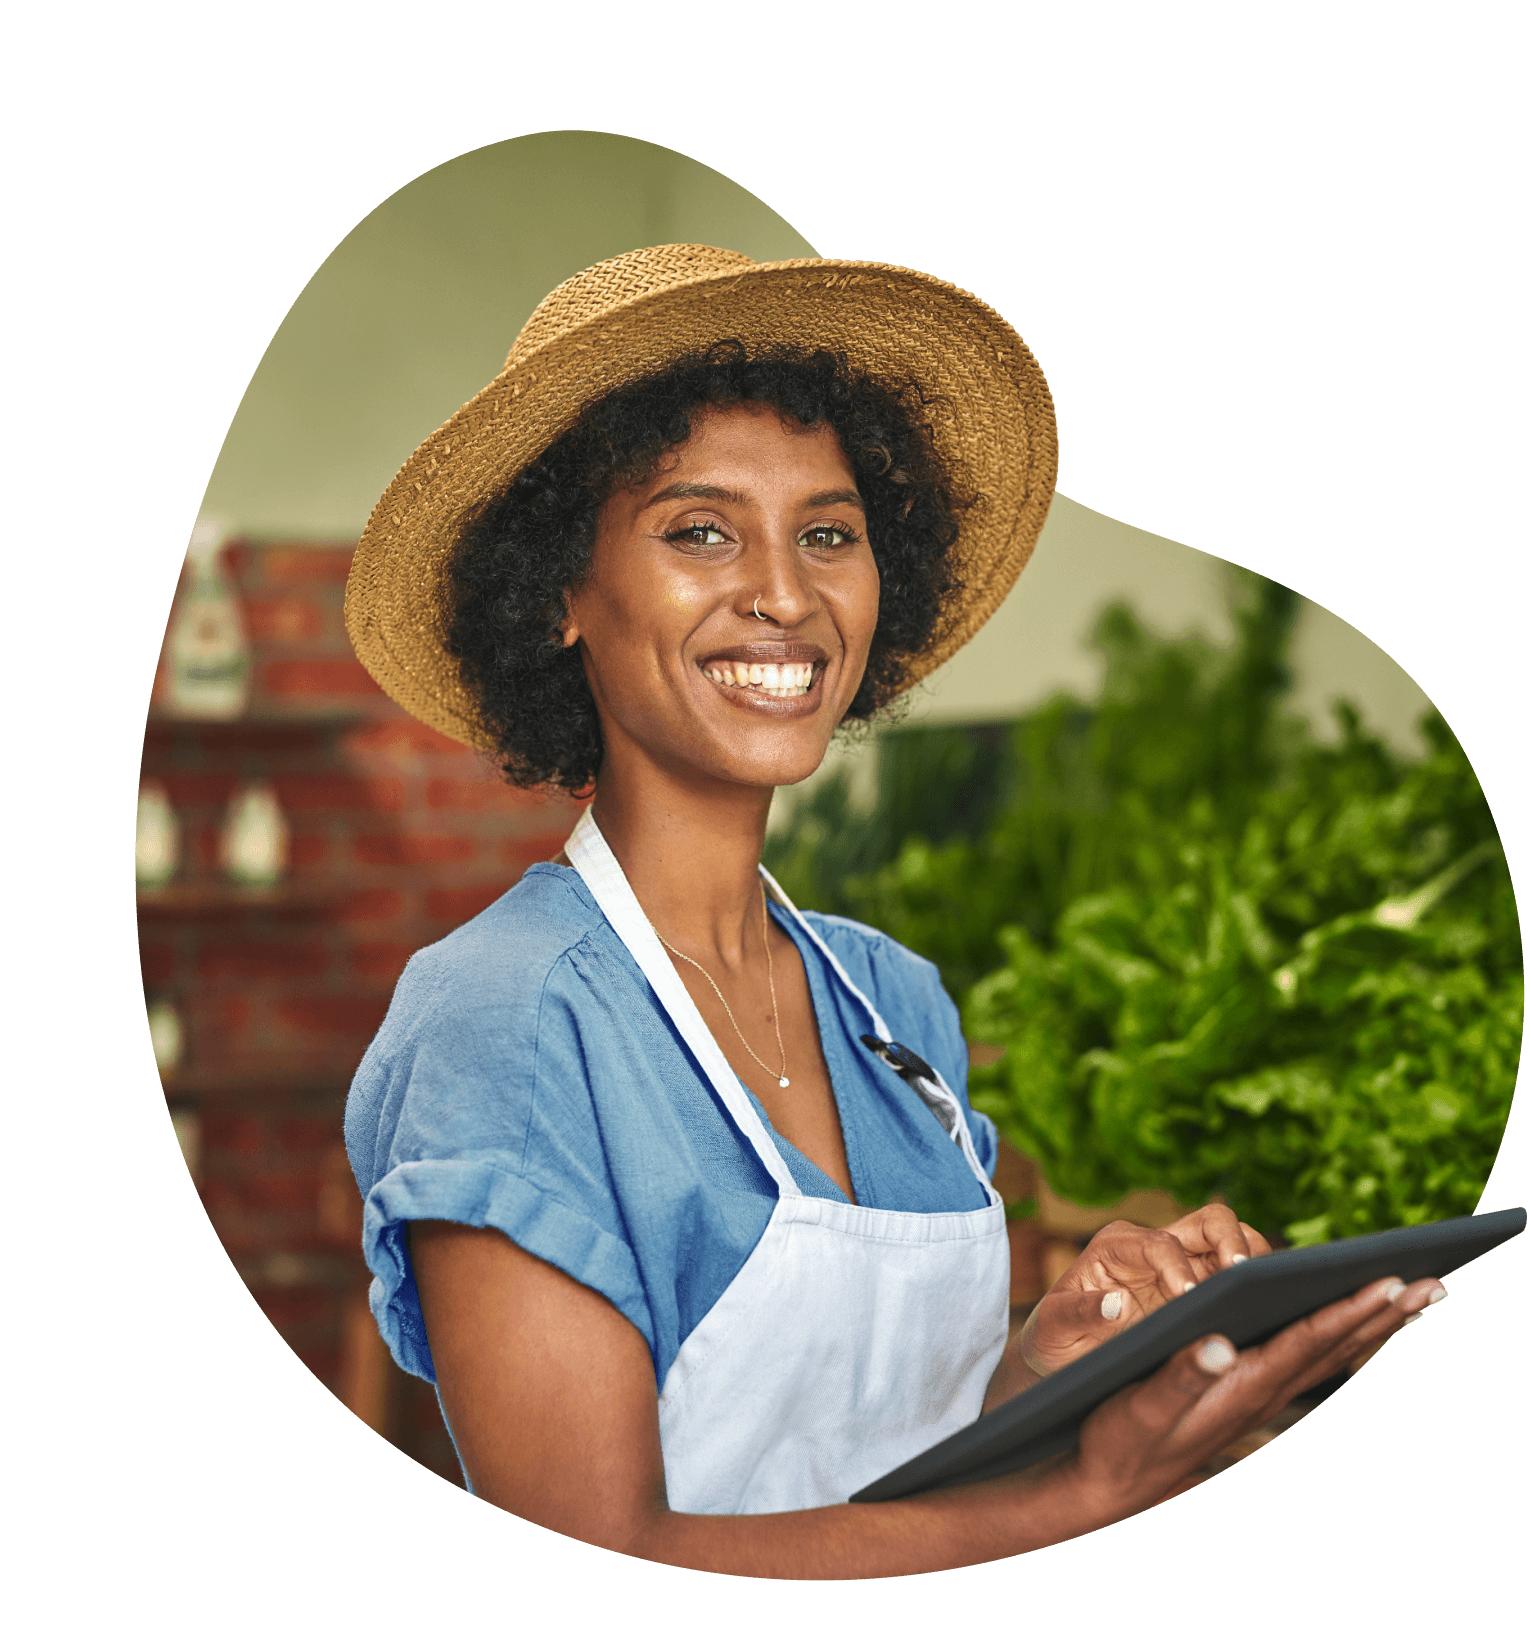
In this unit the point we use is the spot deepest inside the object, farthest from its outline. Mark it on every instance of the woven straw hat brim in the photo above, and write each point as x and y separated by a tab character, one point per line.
991	415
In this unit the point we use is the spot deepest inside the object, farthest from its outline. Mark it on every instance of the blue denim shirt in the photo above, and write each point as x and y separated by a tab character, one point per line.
527	1078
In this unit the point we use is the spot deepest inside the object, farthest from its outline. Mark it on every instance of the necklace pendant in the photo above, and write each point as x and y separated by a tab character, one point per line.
783	1081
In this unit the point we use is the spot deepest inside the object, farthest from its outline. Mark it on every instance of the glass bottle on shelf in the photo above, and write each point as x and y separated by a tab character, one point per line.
252	847
157	850
167	1036
187	1123
209	652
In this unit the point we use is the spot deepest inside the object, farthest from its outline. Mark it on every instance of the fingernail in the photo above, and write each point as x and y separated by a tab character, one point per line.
1215	1355
1394	1292
1240	1258
1110	1306
1410	1319
1186	1288
1438	1294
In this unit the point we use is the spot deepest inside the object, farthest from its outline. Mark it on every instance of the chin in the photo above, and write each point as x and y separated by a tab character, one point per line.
769	770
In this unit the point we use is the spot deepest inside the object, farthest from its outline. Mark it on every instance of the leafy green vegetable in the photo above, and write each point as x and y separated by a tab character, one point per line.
1219	957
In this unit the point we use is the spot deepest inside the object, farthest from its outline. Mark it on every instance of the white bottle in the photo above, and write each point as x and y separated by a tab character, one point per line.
253	844
157	850
166	1035
209	654
187	1123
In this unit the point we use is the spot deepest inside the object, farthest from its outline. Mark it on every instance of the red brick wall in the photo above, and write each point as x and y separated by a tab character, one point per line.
397	836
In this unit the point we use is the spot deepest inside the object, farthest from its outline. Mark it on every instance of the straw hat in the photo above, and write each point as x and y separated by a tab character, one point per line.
628	318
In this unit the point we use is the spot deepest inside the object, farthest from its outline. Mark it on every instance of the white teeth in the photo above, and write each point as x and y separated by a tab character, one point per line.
781	682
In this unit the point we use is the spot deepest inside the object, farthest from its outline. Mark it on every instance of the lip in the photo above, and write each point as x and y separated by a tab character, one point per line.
772	652
777	652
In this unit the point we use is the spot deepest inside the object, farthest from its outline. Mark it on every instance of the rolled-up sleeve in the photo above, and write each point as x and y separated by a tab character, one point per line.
527	1078
478	1112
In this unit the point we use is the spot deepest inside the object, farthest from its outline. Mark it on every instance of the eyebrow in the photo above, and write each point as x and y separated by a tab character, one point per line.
705	493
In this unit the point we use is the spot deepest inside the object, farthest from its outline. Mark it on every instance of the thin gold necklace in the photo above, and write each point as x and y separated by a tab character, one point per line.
770	972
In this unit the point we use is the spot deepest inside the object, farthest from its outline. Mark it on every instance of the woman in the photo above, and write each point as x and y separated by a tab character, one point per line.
674	1192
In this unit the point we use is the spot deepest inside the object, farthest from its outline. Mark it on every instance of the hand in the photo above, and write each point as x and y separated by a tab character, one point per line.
1144	1443
1125	1273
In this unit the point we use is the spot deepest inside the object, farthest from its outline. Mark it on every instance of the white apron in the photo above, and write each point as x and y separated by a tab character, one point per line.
852	1338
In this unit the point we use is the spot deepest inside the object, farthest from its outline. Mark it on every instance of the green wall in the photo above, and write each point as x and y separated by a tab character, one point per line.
413	313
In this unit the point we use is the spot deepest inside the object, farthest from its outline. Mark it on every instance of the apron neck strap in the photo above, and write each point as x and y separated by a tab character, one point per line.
962	1136
597	867
774	887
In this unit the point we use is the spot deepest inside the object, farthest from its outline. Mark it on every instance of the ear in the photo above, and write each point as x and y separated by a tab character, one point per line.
568	632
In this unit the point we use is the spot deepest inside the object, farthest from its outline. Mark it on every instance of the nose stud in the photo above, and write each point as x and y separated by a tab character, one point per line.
757	608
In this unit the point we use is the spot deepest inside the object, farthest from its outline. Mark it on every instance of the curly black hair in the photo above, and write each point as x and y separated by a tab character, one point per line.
520	551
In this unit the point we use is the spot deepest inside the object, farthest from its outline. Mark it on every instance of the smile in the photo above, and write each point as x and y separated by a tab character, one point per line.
771	677
779	682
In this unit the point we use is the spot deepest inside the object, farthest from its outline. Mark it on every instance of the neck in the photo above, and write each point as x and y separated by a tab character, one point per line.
690	852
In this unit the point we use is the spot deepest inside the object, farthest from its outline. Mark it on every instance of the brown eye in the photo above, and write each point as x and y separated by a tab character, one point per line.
825	536
701	536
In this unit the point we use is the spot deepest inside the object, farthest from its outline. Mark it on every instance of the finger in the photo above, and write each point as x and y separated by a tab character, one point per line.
1170	1262
1213	1230
1064	1326
1112	1311
1431	1291
1254	1244
1157	1405
1404	1307
1151	1265
1314	1348
1151	1436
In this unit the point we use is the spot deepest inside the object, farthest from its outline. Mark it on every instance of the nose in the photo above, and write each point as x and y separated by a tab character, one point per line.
778	588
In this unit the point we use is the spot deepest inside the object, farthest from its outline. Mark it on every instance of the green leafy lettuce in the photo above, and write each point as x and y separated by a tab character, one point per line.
1219	957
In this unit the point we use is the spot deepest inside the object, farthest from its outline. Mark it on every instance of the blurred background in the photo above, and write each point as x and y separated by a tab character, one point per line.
1216	891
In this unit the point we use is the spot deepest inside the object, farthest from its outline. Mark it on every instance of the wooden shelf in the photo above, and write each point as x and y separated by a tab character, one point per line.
186	1082
218	897
271	717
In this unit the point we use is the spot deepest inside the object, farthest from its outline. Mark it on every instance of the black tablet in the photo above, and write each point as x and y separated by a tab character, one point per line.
1247	1304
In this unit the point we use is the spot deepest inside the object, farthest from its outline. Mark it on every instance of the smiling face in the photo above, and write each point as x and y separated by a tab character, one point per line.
750	510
